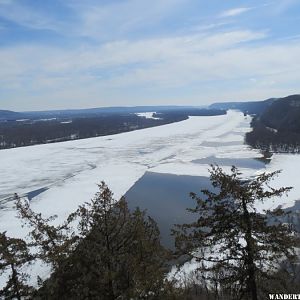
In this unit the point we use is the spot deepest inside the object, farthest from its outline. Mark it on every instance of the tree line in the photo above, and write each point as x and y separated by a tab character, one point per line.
106	251
31	132
65	127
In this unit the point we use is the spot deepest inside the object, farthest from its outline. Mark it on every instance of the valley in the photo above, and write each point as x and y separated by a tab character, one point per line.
56	178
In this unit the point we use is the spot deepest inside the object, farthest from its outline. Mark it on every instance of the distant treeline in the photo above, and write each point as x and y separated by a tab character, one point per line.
190	112
19	133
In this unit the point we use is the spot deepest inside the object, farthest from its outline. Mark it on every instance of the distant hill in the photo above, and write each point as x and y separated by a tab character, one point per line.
90	112
252	107
277	129
283	114
105	111
276	125
9	115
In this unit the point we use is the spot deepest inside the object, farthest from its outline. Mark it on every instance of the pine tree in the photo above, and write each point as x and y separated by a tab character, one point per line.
14	254
54	243
231	238
119	255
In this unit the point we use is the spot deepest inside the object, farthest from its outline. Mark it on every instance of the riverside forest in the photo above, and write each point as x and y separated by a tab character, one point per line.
31	128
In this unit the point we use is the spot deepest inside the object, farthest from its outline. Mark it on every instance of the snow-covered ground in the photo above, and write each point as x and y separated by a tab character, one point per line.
70	170
147	115
58	177
289	164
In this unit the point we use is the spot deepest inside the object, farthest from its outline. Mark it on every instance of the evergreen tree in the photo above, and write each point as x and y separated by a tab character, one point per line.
231	239
53	243
119	255
14	255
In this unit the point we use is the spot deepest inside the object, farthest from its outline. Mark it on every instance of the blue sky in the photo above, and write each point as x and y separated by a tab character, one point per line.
58	54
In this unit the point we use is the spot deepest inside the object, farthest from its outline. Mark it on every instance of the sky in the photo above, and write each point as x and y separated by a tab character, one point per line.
57	54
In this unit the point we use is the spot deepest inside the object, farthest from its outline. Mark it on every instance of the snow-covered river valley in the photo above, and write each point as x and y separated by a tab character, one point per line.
56	178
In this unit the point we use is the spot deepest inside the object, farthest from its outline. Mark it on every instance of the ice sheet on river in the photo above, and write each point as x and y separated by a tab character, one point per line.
58	177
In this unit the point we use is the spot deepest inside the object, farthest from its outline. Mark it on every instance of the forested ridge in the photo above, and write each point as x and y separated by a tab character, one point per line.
275	124
277	127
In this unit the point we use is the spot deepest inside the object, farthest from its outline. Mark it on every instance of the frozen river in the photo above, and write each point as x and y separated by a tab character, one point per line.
56	178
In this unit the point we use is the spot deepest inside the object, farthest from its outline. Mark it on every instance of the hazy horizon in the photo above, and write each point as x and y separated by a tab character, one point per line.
57	54
133	106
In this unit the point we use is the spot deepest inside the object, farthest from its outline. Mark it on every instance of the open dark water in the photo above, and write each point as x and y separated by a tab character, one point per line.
35	193
166	197
250	163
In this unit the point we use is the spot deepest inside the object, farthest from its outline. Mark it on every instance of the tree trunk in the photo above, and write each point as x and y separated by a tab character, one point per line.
15	281
111	294
251	281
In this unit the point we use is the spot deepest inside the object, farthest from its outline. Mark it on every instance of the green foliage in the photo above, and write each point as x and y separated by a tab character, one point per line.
119	255
116	253
236	246
53	243
14	255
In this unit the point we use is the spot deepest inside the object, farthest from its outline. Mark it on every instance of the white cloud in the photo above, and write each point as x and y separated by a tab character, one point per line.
117	19
118	57
26	16
210	26
91	18
213	67
196	65
281	6
234	12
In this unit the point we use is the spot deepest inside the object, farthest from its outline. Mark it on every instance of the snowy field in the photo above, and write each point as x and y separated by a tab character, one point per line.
58	177
147	115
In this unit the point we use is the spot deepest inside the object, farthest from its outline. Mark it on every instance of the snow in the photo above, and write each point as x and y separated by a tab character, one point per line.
289	164
71	170
46	120
147	115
